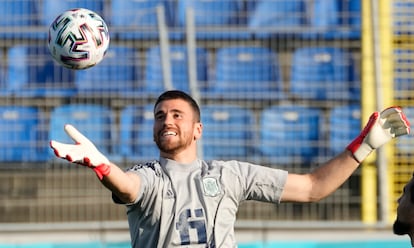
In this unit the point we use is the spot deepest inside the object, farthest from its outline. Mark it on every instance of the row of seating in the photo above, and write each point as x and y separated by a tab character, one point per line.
402	13
280	134
137	19
238	72
403	73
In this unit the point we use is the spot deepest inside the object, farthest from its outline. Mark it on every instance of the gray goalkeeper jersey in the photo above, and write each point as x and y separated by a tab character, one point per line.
195	205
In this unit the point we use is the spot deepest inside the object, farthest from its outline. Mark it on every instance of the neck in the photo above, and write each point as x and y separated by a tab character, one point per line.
184	157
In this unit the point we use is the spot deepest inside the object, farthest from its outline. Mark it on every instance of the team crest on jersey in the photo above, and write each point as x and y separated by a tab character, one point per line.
211	186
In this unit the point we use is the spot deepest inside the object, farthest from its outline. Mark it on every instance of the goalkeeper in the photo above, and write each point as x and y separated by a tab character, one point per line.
179	200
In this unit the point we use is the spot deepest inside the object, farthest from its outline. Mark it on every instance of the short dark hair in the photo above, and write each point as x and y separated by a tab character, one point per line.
177	94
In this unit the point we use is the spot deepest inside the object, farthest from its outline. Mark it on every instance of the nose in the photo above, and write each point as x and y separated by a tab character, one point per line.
168	119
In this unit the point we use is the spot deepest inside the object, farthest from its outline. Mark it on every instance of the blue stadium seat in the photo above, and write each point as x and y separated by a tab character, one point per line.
246	72
344	126
136	136
405	144
228	132
118	73
19	18
403	73
22	139
50	9
138	19
33	73
215	19
95	121
323	73
179	69
276	17
402	17
290	134
334	19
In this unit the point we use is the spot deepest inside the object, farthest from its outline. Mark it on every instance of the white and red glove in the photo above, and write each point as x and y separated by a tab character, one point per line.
83	152
381	128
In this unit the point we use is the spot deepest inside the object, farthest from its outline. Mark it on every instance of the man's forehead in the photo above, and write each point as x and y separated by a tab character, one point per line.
173	104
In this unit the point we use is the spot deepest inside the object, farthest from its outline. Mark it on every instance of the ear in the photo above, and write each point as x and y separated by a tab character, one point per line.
198	130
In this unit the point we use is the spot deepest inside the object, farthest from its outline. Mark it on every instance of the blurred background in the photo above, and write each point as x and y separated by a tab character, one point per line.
281	83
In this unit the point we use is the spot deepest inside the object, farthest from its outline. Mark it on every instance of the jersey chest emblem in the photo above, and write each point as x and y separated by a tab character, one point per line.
211	186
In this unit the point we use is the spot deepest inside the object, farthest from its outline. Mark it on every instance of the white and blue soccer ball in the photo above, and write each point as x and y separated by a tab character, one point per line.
78	38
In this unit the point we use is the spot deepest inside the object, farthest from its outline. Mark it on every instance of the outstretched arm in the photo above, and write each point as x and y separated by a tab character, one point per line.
123	184
322	181
325	179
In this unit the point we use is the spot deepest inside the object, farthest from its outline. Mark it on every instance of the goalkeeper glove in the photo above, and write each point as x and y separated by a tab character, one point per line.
381	128
83	152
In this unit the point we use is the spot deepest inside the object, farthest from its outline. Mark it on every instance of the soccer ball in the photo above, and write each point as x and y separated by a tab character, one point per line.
78	39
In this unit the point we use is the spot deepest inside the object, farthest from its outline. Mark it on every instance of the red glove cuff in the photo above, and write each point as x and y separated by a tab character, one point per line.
102	170
356	143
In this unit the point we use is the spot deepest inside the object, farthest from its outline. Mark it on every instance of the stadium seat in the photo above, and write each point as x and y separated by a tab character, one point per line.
228	132
50	9
402	17
179	69
136	136
118	73
137	19
334	19
269	18
33	73
403	73
215	19
323	73
246	72
290	134
344	126
95	121
19	18
22	137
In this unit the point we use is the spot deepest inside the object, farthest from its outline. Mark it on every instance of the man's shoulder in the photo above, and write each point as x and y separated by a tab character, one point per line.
151	165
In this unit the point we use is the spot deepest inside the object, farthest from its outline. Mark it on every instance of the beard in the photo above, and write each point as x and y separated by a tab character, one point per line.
171	147
401	228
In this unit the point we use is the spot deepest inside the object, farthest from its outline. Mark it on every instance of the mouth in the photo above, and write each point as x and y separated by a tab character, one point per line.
168	133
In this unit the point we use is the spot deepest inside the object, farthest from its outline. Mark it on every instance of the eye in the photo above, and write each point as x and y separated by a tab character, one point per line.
159	117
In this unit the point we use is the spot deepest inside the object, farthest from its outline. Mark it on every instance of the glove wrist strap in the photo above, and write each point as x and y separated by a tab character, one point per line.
360	152
102	170
359	148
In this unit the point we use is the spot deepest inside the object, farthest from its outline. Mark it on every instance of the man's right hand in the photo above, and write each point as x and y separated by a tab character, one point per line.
83	152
